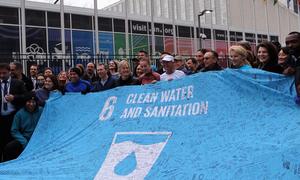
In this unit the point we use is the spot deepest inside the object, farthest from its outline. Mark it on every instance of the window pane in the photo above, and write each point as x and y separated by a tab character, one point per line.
35	18
81	22
67	20
9	42
9	15
105	24
53	19
119	25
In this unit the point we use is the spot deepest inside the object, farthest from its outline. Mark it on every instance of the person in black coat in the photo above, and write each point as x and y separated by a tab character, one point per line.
126	77
106	81
12	98
16	72
268	57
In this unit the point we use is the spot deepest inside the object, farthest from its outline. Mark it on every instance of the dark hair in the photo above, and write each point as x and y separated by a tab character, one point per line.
48	68
18	65
116	65
4	66
285	50
105	66
54	80
203	50
145	52
277	45
295	33
273	55
194	61
214	53
81	69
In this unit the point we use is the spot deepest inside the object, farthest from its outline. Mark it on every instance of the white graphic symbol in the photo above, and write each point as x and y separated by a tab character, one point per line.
144	156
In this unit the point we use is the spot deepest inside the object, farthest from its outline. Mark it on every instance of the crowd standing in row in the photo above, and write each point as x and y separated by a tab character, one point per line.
22	98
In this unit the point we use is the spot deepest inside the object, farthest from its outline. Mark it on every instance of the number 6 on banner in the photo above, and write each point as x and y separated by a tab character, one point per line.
108	108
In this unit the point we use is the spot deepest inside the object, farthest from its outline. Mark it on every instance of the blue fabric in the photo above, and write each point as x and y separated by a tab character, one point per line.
229	124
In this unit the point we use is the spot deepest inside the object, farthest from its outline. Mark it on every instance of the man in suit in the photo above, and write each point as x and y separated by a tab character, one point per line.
16	72
12	96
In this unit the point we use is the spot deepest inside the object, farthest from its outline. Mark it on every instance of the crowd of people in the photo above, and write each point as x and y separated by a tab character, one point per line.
23	97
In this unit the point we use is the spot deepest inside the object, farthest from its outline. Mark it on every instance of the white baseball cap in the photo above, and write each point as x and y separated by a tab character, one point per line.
168	58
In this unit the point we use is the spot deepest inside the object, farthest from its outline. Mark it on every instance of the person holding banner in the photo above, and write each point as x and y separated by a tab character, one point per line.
126	77
23	127
171	73
238	56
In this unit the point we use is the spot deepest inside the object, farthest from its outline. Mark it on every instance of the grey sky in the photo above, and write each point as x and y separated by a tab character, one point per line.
83	3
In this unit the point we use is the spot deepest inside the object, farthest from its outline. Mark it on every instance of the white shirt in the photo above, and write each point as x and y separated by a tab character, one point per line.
10	107
177	74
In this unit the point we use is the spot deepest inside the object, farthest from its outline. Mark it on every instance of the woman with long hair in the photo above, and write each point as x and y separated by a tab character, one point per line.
268	57
51	84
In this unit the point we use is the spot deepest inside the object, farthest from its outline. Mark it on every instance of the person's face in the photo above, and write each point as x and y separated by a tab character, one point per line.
40	80
111	66
48	84
236	59
4	74
90	68
125	71
141	55
209	59
101	71
33	71
190	65
178	63
13	71
262	54
62	76
139	70
74	77
293	42
282	57
200	57
168	66
30	105
48	72
145	66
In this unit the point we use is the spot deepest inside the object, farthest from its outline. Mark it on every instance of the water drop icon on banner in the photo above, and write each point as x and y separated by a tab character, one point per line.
126	166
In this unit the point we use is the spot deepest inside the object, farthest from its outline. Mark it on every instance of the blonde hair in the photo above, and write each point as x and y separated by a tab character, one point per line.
240	51
123	63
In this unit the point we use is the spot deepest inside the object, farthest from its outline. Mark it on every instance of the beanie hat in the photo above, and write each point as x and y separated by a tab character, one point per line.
76	70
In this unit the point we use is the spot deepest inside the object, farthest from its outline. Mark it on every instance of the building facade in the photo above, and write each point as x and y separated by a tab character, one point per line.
128	26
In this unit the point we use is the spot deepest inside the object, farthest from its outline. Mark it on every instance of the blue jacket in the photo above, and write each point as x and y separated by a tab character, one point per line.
80	86
24	124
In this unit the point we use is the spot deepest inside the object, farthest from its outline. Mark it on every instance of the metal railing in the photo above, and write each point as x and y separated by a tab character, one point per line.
59	62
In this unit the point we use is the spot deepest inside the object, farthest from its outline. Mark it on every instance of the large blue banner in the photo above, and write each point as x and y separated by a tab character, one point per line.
218	125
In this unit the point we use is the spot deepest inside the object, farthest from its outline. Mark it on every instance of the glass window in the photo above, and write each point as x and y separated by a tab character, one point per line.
9	15
105	24
67	20
9	42
81	22
119	25
36	40
53	19
184	31
35	18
